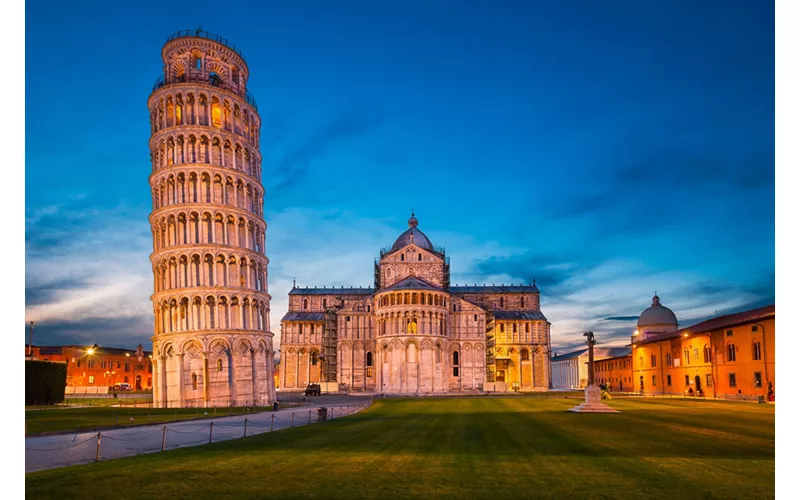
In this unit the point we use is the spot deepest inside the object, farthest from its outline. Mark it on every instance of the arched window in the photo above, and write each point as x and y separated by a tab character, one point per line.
412	326
419	256
369	359
707	354
686	357
314	358
731	352
402	257
524	356
214	79
455	358
219	365
194	381
305	303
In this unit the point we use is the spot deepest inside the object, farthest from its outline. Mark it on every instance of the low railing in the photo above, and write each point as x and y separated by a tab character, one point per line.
208	35
206	79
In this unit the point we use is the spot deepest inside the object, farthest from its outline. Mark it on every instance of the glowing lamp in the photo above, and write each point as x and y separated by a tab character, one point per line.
90	351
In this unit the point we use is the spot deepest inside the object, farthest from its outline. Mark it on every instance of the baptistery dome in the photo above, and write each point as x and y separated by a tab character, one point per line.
657	315
412	235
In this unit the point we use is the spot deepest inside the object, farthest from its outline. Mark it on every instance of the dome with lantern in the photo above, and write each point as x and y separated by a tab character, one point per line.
657	318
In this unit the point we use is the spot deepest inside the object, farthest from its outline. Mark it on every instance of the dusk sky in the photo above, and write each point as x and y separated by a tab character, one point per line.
605	149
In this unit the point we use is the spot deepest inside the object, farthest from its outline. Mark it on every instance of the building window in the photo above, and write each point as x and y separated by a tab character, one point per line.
369	359
706	354
514	328
758	383
501	302
219	365
729	333
402	257
709	380
194	381
91	363
654	380
420	256
347	318
455	371
314	358
102	364
475	317
527	328
502	328
150	368
731	352
754	329
756	351
653	360
369	372
501	376
91	379
687	379
127	367
524	355
455	358
119	365
669	360
305	303
522	301
669	380
324	303
79	363
686	357
732	379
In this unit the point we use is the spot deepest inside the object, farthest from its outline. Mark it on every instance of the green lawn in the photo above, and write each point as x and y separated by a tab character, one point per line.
72	419
464	448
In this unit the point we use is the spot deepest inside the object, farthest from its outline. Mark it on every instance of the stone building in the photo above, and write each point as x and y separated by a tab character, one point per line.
571	370
211	342
414	333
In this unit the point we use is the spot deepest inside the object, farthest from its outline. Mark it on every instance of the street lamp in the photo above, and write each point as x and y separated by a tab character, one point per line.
30	341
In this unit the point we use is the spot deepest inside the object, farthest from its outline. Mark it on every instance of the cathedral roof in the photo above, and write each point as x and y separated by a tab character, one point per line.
331	291
303	316
412	235
494	289
520	315
413	283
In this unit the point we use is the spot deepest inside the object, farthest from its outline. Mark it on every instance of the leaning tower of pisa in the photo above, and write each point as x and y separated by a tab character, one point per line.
211	339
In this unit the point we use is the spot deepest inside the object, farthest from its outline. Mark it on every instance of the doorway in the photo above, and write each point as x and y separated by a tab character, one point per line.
697	389
138	382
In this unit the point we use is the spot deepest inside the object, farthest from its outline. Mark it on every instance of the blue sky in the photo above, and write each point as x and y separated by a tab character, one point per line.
605	149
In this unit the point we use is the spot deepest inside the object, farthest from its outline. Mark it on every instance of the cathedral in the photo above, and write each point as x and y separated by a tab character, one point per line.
414	333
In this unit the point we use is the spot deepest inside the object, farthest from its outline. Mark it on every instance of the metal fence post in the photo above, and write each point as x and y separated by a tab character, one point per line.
272	423
245	427
164	438
292	419
210	431
97	454
309	416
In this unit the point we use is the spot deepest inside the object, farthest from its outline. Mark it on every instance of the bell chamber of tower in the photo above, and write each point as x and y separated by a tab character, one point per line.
211	337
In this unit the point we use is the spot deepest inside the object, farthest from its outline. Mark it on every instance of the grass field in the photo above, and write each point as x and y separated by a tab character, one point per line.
72	419
464	448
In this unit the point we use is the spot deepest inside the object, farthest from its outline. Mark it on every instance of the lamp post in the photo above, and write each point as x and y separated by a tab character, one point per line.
30	341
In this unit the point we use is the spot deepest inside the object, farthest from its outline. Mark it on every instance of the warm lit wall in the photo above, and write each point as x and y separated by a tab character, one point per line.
103	369
615	372
704	372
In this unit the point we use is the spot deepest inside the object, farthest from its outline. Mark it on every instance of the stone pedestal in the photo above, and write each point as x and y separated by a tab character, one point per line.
593	403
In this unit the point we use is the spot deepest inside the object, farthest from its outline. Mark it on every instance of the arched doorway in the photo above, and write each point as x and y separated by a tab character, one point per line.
697	389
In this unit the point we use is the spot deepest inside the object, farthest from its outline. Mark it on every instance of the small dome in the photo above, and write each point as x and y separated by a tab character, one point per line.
657	315
412	235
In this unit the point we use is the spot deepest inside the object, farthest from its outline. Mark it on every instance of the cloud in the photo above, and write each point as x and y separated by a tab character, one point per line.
621	318
295	165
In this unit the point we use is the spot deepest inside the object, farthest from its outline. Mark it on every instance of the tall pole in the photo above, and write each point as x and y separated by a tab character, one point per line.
590	342
30	341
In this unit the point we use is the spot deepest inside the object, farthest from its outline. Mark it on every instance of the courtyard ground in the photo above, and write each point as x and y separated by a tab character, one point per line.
103	417
464	448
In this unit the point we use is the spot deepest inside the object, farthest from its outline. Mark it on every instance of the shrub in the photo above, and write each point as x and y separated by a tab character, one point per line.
45	381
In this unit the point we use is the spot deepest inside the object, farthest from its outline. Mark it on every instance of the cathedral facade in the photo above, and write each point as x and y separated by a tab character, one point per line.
414	333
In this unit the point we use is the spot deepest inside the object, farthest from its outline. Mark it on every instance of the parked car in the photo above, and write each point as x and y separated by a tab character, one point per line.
124	386
313	390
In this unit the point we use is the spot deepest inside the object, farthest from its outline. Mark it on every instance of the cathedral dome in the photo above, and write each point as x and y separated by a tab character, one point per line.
412	235
657	315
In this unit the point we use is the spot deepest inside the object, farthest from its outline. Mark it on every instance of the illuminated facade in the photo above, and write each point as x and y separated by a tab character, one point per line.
726	356
414	333
103	366
211	339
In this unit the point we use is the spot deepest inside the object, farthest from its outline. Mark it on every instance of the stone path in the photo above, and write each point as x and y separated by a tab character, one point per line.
61	450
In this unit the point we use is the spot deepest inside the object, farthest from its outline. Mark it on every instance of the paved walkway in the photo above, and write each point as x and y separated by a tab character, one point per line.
49	452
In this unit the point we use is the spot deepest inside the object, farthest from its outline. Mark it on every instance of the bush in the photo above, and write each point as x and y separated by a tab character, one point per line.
45	381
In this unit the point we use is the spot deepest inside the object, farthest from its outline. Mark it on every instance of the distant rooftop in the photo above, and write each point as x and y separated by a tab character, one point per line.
494	288
331	291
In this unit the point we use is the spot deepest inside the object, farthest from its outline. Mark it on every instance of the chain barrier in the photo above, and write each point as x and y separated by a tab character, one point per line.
349	410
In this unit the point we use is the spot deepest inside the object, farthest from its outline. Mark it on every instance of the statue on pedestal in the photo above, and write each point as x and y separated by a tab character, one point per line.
592	403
